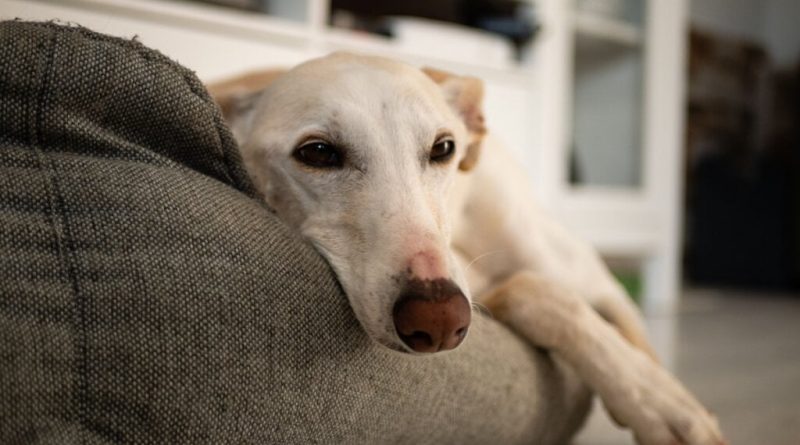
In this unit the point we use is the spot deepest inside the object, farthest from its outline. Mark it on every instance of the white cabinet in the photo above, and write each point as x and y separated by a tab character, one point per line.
611	84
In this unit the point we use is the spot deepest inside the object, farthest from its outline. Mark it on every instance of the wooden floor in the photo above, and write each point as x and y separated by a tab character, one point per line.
740	354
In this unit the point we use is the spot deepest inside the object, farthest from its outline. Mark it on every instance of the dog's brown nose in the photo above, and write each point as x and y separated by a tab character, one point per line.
432	315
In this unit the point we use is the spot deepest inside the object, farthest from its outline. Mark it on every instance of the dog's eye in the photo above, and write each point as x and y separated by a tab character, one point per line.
443	150
319	155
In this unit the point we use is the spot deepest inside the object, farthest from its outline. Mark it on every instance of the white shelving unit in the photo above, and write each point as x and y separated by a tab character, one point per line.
638	219
530	107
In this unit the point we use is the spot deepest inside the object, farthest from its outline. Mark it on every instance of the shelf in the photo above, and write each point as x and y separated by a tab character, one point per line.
312	36
600	41
607	29
334	39
205	17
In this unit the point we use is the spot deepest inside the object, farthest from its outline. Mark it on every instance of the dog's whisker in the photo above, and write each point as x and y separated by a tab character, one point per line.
478	307
482	256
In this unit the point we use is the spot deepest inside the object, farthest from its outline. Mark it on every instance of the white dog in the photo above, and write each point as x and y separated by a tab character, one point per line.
376	164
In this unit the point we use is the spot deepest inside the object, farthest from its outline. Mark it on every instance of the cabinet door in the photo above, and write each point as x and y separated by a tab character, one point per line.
606	144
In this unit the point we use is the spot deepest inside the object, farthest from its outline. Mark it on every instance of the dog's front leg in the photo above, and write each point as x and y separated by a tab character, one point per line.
637	391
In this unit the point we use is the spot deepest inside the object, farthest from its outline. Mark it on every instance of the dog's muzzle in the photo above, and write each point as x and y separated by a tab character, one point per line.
432	315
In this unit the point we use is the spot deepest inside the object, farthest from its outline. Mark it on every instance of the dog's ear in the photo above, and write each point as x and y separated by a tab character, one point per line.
465	95
237	96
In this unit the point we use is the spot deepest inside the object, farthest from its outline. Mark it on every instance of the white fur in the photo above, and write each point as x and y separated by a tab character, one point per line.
373	217
389	210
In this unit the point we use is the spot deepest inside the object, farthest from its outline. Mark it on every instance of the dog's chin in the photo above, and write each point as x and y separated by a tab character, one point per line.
394	344
396	347
399	347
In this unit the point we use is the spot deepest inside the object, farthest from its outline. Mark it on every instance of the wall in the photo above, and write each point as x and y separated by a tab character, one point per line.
608	144
772	23
735	18
781	30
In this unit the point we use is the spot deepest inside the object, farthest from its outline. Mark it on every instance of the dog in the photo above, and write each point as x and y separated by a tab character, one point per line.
389	171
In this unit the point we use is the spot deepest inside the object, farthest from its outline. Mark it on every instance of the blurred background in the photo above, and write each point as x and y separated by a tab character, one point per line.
666	132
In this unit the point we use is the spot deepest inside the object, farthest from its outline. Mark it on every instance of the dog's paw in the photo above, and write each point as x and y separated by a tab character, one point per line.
660	411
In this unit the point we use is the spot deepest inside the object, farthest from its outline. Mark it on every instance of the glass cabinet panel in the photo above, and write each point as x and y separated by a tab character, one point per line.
606	140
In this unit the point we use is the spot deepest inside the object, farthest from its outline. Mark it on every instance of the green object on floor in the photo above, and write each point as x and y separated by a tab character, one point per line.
632	282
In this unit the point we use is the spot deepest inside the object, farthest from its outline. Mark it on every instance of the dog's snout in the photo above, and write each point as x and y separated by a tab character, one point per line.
432	315
427	265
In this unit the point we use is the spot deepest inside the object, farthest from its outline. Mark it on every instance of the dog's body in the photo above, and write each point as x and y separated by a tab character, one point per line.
376	163
495	200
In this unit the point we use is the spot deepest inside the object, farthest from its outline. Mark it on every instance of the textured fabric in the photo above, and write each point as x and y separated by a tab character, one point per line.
147	297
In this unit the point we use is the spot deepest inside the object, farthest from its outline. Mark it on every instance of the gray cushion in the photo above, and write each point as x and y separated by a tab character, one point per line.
147	296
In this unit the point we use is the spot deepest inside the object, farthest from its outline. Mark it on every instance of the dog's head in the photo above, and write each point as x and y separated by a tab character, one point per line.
360	155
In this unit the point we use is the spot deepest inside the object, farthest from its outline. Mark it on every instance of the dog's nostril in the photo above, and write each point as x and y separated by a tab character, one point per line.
418	340
461	332
421	336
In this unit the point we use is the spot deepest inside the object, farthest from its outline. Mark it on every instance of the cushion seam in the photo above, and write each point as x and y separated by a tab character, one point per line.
66	250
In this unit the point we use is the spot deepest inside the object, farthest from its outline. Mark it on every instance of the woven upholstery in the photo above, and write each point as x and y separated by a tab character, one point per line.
147	296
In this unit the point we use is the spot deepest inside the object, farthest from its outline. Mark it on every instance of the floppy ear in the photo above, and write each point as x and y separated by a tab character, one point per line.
237	95
465	95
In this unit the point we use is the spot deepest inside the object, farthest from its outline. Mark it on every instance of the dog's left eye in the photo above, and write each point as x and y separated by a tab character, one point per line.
319	155
443	150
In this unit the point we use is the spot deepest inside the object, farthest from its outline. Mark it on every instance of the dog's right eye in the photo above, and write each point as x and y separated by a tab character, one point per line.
443	150
319	154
